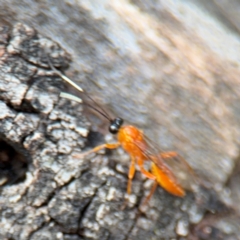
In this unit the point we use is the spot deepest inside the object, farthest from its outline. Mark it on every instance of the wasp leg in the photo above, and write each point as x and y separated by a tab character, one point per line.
143	171
98	148
131	174
151	193
169	154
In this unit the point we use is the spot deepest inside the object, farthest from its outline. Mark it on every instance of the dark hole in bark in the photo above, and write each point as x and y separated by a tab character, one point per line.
94	139
13	165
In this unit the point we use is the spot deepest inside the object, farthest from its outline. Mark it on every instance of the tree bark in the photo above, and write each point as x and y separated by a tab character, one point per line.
150	68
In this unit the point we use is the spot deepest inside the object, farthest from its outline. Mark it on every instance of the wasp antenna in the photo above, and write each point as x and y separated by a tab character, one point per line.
70	97
77	99
74	98
100	112
104	113
65	78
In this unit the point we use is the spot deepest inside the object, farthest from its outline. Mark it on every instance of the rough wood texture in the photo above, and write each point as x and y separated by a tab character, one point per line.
62	197
169	73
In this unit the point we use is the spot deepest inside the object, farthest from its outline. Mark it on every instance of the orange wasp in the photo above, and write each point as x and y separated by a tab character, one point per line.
168	169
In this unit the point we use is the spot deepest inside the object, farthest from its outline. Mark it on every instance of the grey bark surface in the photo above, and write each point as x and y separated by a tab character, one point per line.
162	69
62	197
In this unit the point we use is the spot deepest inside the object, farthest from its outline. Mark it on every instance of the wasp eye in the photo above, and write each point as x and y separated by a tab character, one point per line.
115	125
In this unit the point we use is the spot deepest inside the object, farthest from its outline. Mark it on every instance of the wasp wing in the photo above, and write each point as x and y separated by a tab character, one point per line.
172	171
